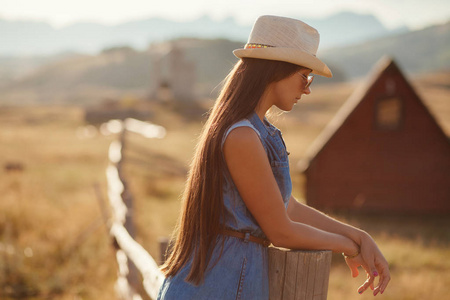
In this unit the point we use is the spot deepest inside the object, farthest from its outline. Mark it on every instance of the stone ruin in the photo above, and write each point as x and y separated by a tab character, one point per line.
173	77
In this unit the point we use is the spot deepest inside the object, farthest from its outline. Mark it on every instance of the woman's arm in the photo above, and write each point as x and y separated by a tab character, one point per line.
252	174
371	258
305	214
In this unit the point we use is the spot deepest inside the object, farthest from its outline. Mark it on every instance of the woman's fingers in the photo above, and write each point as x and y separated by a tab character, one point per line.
369	283
374	273
370	266
375	266
376	291
355	271
384	280
366	284
384	276
381	286
353	268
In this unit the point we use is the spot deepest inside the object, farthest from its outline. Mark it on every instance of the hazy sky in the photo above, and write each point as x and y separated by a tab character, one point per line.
392	13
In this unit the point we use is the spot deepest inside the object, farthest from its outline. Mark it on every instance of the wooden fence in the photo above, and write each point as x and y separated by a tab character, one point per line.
138	274
299	275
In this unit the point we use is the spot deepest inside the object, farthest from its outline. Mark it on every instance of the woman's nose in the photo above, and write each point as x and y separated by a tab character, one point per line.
307	91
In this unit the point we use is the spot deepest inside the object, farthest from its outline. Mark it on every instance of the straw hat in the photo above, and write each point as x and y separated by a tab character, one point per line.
284	39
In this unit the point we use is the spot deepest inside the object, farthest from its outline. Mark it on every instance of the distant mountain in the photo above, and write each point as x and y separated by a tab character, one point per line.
123	71
37	38
419	51
349	28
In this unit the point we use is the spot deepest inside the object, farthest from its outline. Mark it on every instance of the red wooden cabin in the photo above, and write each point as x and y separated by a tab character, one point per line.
383	151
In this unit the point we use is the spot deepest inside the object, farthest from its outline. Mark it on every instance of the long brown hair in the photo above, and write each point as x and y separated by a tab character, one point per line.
203	208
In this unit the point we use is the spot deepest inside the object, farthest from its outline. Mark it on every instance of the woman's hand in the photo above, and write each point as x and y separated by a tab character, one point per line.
373	262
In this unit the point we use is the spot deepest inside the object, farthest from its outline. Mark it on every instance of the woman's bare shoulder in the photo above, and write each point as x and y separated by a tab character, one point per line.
242	138
243	146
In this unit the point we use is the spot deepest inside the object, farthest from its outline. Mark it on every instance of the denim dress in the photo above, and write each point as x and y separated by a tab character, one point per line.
242	270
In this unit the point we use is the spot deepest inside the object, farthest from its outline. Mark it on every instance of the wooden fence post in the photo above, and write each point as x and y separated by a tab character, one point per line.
298	274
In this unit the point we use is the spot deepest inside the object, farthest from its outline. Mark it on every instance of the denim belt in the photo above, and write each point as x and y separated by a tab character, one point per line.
246	236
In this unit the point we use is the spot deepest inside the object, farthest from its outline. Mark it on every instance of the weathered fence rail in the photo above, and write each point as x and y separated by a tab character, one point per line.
293	275
137	270
152	277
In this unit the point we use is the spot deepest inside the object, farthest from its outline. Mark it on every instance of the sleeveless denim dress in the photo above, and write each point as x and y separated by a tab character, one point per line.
242	271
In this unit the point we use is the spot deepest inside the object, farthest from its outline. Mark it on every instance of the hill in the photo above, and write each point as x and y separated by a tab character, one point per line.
125	72
116	73
348	28
416	52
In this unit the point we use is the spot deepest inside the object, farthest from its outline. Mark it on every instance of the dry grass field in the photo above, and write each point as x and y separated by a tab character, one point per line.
54	245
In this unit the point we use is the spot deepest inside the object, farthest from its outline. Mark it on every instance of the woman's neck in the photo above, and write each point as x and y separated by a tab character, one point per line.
264	104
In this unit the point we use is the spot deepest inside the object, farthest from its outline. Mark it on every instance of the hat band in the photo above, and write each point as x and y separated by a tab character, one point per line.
254	46
262	46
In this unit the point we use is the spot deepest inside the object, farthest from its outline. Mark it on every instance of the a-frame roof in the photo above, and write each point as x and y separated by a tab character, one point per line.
348	107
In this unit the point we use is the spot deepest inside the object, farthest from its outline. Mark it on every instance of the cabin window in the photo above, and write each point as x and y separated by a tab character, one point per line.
388	113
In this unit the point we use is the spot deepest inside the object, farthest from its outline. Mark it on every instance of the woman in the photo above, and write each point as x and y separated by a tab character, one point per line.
238	193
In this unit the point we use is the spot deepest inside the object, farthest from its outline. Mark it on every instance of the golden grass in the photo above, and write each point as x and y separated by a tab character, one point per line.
50	244
53	243
418	271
